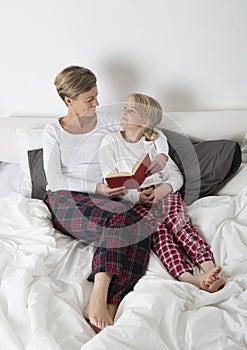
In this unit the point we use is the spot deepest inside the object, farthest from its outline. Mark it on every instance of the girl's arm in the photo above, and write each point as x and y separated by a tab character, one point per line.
162	147
173	181
108	164
151	196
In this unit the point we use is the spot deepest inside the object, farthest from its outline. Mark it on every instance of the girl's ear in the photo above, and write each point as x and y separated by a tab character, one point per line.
147	123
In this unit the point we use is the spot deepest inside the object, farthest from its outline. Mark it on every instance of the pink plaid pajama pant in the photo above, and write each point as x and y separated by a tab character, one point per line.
175	237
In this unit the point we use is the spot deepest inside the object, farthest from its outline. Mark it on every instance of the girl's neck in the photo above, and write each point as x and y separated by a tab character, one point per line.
132	135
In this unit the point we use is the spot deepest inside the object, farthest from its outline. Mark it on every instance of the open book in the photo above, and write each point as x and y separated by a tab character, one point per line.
131	180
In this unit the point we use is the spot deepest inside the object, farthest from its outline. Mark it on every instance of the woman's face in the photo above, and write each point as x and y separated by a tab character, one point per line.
85	104
130	117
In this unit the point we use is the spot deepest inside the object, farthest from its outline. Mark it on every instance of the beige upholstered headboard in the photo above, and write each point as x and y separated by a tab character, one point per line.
205	125
9	151
208	125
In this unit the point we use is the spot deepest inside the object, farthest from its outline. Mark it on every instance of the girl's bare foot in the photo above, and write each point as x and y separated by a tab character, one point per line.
209	281
214	286
212	282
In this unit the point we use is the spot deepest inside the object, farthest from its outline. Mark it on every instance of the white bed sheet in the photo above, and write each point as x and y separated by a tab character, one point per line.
44	289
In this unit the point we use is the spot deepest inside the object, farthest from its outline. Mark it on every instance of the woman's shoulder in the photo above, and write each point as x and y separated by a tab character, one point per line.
52	131
53	126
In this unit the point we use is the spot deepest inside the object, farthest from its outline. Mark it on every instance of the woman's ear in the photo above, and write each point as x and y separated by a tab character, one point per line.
67	100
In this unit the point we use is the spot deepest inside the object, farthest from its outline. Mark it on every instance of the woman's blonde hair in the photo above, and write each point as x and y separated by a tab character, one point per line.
150	110
73	81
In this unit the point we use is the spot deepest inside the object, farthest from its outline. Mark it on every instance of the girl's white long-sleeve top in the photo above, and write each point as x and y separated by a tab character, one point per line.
71	161
118	155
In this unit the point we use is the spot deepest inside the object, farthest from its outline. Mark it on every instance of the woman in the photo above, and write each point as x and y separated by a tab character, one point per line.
80	202
162	203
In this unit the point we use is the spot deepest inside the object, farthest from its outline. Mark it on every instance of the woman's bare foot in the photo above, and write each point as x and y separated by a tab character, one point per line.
112	308
96	312
98	315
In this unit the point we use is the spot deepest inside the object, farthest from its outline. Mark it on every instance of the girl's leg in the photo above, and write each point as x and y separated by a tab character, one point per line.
178	221
194	246
170	253
162	242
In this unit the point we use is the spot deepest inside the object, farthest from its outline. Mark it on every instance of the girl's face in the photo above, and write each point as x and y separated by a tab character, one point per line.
85	104
130	118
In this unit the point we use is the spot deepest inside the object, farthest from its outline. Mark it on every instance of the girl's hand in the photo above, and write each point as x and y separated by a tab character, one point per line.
161	191
158	163
146	197
154	195
104	189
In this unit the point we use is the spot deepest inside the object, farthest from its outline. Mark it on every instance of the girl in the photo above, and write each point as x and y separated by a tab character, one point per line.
162	205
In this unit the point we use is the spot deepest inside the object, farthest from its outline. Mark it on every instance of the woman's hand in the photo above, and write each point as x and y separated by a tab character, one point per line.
158	163
104	189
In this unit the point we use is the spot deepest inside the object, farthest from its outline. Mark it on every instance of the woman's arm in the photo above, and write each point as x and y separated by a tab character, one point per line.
53	169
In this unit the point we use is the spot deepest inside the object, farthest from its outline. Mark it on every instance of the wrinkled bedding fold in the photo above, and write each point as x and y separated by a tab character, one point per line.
44	287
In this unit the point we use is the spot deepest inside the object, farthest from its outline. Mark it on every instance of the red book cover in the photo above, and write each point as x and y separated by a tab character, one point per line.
131	180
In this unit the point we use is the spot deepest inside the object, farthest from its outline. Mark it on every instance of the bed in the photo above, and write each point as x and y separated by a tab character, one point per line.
43	273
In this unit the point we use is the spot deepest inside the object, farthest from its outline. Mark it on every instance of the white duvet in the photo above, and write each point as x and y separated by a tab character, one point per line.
43	287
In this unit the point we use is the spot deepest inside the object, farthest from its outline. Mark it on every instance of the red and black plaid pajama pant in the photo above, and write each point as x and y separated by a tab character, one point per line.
122	240
175	235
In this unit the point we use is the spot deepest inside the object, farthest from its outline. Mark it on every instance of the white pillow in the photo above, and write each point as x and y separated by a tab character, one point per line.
28	139
9	178
244	149
237	183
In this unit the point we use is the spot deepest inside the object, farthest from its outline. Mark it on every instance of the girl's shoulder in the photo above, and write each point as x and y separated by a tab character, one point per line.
108	120
112	137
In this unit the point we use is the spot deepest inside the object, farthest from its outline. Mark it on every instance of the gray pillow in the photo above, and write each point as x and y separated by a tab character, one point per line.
206	165
38	178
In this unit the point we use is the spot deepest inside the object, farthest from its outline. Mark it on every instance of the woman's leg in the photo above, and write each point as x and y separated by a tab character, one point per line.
123	246
127	265
97	310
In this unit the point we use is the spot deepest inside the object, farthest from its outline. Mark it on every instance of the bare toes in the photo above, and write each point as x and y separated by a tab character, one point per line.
214	286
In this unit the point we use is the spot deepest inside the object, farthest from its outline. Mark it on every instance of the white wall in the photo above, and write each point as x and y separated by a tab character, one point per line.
189	54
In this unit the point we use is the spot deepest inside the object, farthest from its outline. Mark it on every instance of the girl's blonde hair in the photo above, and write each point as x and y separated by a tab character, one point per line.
73	81
150	110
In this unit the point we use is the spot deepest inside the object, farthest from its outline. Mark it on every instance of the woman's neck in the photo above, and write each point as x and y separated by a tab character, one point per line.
132	135
78	125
